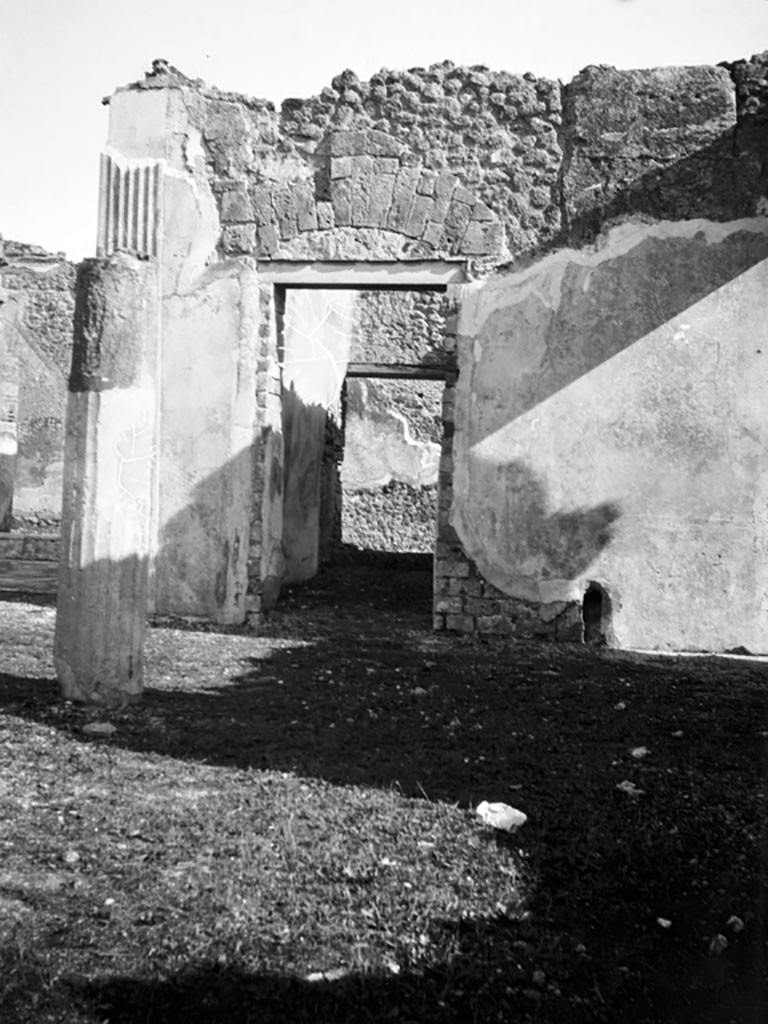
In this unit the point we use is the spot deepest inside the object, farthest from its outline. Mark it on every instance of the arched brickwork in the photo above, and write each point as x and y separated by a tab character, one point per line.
364	180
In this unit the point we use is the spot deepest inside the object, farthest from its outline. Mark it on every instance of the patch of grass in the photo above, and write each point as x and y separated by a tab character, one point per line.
283	831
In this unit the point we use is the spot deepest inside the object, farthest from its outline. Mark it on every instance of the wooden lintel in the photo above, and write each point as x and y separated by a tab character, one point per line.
401	370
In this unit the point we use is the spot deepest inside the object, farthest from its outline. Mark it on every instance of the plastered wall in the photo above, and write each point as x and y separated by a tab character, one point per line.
613	431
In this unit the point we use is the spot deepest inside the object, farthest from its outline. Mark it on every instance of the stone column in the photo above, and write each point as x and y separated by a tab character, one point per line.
109	481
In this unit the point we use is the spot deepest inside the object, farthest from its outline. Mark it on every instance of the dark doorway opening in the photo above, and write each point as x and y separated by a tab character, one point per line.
596	615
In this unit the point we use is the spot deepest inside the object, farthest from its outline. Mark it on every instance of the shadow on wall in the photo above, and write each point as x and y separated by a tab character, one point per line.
304	439
7	472
614	302
203	549
583	311
565	542
720	181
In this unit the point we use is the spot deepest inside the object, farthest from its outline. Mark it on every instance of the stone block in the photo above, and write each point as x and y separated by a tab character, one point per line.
463	195
380	200
380	144
418	216
267	241
284	202
549	612
482	238
236	206
480	211
350	143
239	239
460	623
569	627
444	550
388	165
452	567
472	587
657	142
341	200
402	197
306	212
438	623
434	235
325	217
341	166
449	537
261	204
495	625
481	606
11	547
426	183
453	604
444	186
361	188
456	222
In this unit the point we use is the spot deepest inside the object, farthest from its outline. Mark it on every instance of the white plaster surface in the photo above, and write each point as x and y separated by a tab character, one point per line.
207	415
209	322
317	336
611	426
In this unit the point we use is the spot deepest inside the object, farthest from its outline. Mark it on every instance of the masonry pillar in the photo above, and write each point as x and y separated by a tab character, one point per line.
109	481
9	393
9	400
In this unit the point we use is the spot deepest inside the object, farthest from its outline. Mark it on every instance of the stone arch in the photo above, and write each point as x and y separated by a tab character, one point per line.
369	195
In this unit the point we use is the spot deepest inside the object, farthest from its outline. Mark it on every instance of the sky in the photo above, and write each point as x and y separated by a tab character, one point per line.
59	58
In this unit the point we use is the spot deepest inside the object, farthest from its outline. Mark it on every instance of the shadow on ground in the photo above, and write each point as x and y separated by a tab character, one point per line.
352	687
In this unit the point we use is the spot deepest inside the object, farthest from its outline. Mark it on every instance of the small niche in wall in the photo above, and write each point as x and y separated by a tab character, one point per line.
596	615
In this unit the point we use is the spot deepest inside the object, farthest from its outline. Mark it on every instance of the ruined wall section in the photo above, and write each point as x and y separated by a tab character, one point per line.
657	144
751	137
37	314
496	132
482	164
393	432
400	327
462	161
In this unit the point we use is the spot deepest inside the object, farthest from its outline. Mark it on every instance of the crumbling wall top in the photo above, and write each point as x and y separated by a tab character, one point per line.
454	161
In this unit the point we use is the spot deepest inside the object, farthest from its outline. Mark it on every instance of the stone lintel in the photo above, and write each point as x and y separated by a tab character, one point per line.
405	274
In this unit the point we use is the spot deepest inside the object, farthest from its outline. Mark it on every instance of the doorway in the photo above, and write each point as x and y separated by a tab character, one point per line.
364	373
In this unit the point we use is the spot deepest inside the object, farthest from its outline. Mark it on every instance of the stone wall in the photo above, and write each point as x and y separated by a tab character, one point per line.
400	327
37	293
392	427
393	432
466	161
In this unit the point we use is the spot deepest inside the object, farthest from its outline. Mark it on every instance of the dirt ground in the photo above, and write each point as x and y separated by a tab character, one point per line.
644	780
